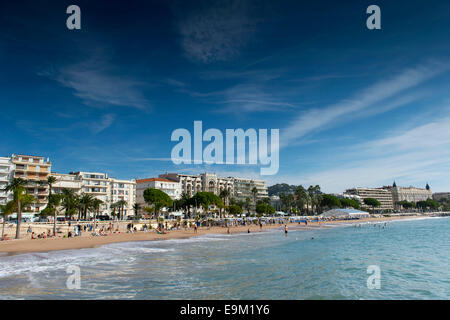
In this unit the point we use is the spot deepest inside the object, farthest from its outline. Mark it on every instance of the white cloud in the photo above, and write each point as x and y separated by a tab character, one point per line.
413	156
94	82
217	33
106	121
364	103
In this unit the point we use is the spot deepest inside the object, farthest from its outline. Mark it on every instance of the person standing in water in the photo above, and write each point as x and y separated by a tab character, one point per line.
285	229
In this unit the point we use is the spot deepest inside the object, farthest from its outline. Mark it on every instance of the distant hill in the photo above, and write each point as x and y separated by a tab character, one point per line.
279	188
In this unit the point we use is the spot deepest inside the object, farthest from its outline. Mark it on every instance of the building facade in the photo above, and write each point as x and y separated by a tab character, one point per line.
441	196
172	188
6	171
35	170
410	194
122	190
382	195
66	181
243	189
189	184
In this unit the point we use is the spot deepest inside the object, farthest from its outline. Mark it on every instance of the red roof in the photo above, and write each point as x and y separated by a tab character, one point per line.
153	179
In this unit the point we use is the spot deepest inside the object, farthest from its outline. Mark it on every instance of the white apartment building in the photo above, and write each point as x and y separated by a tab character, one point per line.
382	195
123	190
189	184
239	188
172	188
36	170
6	172
243	189
97	185
66	181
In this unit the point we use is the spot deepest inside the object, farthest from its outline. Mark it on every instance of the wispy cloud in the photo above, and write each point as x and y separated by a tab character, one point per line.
106	121
411	156
315	120
218	32
98	85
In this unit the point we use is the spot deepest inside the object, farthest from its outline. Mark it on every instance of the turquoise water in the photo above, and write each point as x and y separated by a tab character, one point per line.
413	257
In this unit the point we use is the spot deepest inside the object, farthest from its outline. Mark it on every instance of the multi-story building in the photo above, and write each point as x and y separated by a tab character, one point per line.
411	194
97	185
212	183
382	195
6	171
189	184
35	170
441	195
243	189
66	181
238	188
171	187
123	190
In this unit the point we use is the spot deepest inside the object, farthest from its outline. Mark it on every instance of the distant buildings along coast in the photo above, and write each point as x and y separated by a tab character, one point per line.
37	169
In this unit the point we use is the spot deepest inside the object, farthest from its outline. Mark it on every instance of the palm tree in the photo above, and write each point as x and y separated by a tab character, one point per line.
69	201
136	208
17	186
96	203
121	204
7	210
50	181
86	202
254	193
54	201
224	194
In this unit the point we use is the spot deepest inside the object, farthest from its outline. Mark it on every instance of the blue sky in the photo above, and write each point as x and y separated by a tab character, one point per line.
354	107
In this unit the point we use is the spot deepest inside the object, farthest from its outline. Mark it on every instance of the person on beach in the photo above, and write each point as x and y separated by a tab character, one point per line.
260	226
285	229
228	231
248	231
195	228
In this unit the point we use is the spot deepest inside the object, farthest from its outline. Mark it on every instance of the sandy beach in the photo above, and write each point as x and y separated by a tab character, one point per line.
88	241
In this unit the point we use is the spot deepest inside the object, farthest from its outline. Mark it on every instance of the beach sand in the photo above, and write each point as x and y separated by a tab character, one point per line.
88	241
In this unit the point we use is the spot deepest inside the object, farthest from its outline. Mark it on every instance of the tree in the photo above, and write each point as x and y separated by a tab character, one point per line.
7	210
350	203
136	208
330	201
247	205
264	208
96	204
302	197
206	199
224	194
254	193
158	199
374	203
17	186
121	204
314	196
69	201
86	202
50	181
235	210
54	201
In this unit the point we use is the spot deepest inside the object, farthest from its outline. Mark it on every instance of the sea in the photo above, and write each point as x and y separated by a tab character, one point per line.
403	259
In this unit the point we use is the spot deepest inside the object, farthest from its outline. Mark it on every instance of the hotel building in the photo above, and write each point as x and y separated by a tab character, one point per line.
172	188
382	195
123	190
239	188
243	189
36	170
66	181
441	195
6	171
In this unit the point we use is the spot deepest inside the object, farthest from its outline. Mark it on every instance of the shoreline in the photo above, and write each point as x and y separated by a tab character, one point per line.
13	247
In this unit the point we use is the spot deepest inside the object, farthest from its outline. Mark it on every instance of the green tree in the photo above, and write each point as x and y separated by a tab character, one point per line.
158	199
121	205
206	199
330	201
96	205
21	198
350	203
86	202
5	211
136	208
254	193
371	202
235	210
264	208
